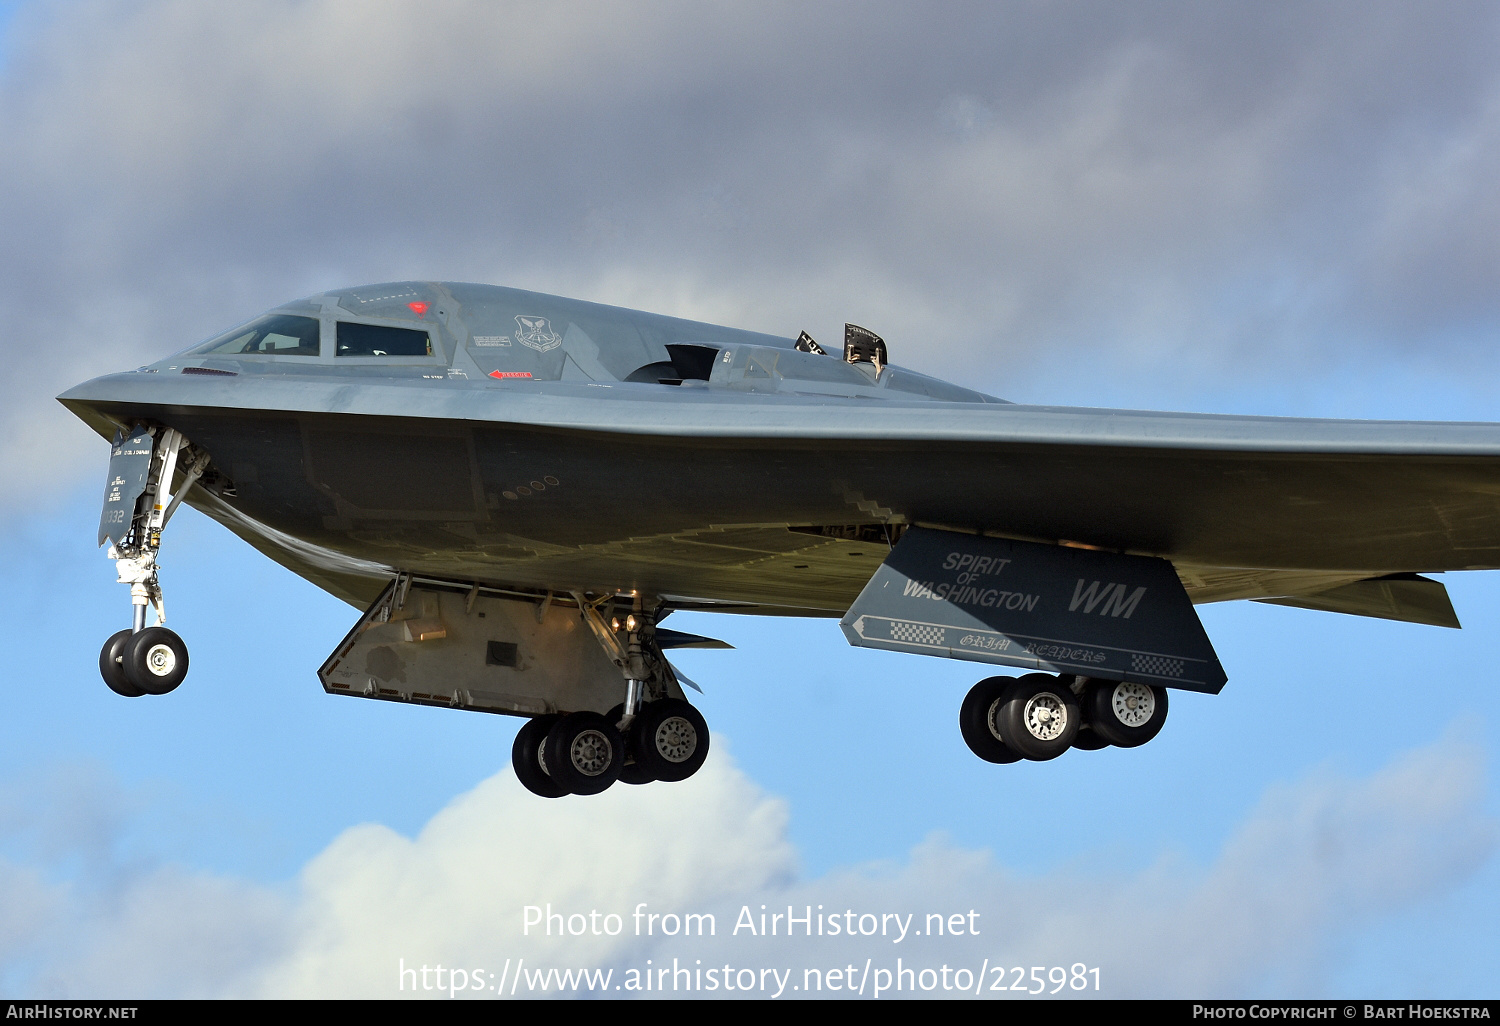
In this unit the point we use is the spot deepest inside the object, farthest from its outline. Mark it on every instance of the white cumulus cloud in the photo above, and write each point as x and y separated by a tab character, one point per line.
1314	862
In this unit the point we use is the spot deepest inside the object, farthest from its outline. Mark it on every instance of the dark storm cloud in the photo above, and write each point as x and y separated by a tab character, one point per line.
1018	182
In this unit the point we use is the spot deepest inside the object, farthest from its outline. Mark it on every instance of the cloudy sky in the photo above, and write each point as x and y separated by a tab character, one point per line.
1270	208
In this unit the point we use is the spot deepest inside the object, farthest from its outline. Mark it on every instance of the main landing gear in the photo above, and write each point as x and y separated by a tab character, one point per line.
1040	716
650	736
147	660
586	753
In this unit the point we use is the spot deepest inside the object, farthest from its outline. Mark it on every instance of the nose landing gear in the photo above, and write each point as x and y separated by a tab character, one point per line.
144	660
154	660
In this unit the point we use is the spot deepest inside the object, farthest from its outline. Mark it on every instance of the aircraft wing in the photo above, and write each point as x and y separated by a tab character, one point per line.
1244	507
518	488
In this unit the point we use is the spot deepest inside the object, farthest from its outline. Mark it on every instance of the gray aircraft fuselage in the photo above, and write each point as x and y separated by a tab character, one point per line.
477	433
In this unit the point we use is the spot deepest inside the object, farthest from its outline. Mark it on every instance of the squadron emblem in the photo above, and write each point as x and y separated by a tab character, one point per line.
536	333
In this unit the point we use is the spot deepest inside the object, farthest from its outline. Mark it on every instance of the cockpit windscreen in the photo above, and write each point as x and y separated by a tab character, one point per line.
381	340
272	335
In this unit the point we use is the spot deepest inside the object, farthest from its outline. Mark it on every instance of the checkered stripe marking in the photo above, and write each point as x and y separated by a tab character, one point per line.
1157	666
918	633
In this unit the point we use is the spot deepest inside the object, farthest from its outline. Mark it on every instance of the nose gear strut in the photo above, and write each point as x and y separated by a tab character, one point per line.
137	506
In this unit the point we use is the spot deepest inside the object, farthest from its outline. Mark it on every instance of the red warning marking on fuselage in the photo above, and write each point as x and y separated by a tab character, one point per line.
419	308
510	374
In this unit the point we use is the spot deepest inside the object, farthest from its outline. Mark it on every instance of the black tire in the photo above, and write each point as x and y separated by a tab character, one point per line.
1128	714
154	660
632	772
978	723
1039	717
584	752
635	773
112	670
670	738
1089	739
526	758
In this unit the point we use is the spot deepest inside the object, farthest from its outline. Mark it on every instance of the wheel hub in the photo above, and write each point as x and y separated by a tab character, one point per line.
161	660
676	740
992	718
1046	717
1133	704
591	753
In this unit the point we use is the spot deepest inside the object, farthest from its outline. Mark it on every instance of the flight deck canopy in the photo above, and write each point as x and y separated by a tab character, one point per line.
272	335
381	340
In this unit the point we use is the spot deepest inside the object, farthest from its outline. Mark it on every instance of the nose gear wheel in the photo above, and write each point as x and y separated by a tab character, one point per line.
111	665
155	660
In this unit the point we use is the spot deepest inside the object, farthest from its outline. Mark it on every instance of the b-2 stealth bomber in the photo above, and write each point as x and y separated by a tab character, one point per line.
517	489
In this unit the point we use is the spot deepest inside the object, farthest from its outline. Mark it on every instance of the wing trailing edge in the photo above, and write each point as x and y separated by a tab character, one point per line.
1406	597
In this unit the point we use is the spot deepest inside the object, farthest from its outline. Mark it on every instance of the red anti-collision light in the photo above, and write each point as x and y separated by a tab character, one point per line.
419	308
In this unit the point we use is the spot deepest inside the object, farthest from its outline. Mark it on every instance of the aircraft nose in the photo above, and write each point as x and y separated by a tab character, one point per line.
100	402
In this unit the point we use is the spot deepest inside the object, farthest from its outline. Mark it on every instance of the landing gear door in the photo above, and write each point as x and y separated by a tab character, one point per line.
129	465
1044	607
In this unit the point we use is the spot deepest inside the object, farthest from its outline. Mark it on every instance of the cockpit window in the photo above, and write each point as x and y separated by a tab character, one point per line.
272	335
379	340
